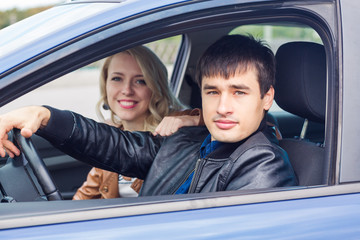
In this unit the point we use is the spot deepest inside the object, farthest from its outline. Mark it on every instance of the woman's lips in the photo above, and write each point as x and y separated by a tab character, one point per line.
127	104
225	124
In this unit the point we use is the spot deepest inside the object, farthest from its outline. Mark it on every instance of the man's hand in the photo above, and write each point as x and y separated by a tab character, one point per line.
28	120
171	124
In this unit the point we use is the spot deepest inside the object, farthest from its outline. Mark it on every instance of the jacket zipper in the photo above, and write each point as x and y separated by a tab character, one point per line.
183	181
196	176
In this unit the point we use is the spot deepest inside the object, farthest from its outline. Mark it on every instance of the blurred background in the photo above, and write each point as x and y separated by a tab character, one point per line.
12	11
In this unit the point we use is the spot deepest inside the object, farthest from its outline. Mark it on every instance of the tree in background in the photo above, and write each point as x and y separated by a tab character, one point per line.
14	15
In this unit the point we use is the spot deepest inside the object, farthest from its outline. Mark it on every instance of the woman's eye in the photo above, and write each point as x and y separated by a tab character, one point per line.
141	82
116	78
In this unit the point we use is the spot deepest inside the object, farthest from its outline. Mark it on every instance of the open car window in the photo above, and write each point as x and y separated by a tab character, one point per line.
79	90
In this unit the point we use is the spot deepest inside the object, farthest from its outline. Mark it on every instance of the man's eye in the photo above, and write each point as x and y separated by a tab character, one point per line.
239	93
211	93
141	82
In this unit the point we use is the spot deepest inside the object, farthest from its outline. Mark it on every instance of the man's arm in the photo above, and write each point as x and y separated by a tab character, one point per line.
97	144
100	145
28	120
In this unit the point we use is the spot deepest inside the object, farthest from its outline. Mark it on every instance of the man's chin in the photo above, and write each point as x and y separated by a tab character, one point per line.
226	138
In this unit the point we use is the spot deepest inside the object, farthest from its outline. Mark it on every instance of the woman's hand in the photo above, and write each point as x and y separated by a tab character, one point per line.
28	120
170	124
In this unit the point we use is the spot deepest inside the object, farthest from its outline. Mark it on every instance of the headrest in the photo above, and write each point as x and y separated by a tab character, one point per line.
301	80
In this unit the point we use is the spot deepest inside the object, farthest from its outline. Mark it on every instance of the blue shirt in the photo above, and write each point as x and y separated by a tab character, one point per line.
206	148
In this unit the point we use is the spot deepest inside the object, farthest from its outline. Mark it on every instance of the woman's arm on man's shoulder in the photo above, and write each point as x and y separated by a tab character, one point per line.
170	124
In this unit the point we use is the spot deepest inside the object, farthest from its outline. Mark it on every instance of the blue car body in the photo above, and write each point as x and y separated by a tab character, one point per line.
31	54
312	218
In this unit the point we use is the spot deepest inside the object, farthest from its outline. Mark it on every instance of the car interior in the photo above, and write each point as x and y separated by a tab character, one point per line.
305	96
298	112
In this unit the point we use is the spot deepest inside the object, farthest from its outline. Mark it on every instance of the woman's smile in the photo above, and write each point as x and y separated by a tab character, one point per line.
127	104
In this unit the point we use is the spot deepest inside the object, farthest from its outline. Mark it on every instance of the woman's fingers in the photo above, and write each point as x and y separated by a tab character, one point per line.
171	124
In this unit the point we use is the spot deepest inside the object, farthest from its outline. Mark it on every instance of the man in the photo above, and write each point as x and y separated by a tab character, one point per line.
236	76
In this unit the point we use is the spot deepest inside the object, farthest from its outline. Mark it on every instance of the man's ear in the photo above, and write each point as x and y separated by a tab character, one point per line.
269	98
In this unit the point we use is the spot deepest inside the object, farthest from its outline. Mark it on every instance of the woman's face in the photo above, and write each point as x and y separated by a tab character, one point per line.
127	93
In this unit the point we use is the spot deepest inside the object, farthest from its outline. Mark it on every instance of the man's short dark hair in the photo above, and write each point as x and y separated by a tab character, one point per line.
234	54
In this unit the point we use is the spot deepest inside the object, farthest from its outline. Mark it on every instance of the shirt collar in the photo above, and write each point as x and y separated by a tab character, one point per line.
208	146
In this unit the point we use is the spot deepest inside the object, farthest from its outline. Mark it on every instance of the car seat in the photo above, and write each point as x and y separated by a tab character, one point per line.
301	90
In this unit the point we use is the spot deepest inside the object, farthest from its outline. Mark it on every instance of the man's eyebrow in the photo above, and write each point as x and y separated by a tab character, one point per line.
234	86
207	86
239	86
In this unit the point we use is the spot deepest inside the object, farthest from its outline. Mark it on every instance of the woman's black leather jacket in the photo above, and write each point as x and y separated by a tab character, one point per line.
165	162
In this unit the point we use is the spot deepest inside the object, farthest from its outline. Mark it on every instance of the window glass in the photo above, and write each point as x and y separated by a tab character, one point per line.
79	90
167	49
278	35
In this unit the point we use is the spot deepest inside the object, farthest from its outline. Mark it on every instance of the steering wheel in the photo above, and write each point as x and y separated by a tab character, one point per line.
17	170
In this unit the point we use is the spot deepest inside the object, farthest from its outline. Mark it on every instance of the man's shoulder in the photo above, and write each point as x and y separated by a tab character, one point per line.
259	140
186	136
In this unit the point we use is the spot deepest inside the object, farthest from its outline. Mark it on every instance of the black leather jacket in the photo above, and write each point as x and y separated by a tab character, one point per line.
166	162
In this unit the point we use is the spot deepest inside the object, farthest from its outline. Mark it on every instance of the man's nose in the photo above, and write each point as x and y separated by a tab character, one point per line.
224	106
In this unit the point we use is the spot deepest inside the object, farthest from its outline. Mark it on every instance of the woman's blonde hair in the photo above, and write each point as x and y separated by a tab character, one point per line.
162	101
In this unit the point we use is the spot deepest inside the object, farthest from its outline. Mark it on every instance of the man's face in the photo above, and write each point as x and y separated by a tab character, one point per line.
233	108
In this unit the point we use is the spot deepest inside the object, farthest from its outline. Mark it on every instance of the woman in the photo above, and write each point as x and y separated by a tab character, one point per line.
134	87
